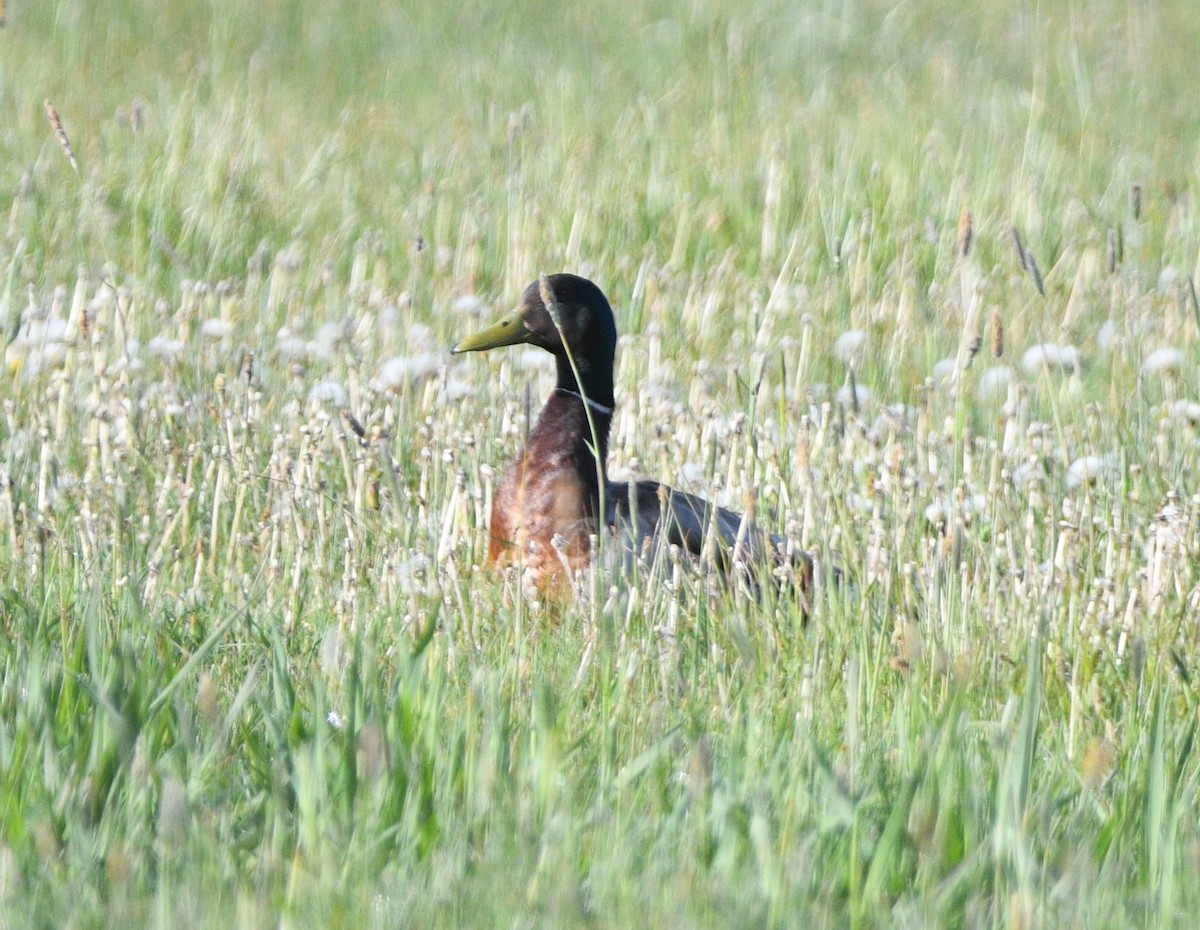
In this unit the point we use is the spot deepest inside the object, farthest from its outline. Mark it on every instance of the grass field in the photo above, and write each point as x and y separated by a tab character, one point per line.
916	278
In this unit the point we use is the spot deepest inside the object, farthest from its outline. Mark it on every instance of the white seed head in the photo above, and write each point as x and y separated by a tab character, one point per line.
329	392
691	475
862	395
1028	473
1167	279
1108	335
398	371
851	346
1050	355
943	368
327	339
1164	361
216	328
457	389
1187	411
469	305
1088	470
994	382
167	349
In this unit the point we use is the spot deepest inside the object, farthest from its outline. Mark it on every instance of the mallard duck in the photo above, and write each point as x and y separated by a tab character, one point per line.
547	506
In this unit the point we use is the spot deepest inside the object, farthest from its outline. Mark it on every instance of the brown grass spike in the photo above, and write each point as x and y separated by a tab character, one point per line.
61	133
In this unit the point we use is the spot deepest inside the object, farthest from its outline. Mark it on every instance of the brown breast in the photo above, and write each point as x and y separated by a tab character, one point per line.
550	491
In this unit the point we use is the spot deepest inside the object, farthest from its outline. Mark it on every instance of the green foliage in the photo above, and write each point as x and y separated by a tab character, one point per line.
255	668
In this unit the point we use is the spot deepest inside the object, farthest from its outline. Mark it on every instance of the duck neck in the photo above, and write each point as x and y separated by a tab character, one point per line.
572	433
595	382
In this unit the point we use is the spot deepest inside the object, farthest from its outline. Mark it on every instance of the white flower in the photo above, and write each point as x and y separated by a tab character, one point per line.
469	305
457	389
1028	473
1107	337
290	346
329	335
53	355
1186	410
216	328
1168	277
1163	361
127	363
169	350
1087	470
398	371
943	509
851	346
38	332
861	396
328	392
944	368
995	381
691	475
1050	355
858	503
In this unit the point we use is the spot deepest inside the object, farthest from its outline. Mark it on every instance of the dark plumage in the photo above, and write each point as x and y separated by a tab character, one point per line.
547	506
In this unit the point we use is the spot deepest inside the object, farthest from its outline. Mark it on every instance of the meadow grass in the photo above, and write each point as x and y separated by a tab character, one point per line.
896	274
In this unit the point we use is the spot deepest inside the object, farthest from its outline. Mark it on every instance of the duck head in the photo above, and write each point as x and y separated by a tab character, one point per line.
570	318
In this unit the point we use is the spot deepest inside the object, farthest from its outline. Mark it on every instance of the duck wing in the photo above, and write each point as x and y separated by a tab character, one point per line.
647	512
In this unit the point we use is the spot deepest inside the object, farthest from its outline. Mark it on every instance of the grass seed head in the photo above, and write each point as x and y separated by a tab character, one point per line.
1035	272
1020	247
965	232
61	134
